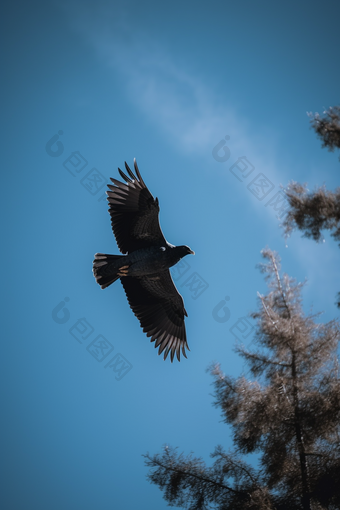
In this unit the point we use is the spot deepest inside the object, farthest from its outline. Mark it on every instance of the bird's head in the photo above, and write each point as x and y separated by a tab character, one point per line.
185	250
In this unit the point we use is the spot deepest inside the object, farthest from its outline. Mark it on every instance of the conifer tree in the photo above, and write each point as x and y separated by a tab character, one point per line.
287	412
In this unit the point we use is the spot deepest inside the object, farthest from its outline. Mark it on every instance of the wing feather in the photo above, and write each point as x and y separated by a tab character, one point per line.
133	177
159	308
127	179
138	173
134	212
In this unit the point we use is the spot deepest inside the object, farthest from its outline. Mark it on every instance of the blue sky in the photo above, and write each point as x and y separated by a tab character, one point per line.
164	83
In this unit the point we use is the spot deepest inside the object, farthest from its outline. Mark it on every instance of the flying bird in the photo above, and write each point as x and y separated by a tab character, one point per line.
144	266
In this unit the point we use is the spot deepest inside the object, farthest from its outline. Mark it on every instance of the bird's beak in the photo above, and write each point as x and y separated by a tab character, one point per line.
192	252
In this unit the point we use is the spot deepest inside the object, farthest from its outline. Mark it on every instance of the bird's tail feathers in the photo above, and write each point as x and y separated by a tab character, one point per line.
106	268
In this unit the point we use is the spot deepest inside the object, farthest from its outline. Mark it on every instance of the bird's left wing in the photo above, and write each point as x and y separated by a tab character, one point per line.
160	310
134	213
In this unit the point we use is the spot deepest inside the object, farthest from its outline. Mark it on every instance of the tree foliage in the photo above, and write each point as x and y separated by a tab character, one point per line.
312	212
328	127
288	414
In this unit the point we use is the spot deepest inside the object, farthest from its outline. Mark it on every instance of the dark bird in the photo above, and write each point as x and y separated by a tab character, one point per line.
144	267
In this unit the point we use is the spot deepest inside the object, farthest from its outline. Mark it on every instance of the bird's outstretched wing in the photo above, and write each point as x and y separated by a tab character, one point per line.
134	213
160	310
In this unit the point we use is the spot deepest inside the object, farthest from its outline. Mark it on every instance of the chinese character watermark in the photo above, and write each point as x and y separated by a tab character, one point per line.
225	315
100	348
119	365
260	186
195	283
75	163
242	328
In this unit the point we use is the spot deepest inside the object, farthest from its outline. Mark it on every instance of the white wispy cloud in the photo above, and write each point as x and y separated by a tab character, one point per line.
175	102
191	115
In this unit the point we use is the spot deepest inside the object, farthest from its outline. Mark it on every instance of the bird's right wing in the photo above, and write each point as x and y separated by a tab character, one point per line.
160	310
134	213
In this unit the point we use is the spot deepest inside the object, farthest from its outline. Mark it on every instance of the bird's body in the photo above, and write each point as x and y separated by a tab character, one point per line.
144	267
147	261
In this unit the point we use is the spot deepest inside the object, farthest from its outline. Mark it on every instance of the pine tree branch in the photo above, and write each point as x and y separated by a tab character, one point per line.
327	127
239	465
263	359
317	455
312	212
266	310
153	460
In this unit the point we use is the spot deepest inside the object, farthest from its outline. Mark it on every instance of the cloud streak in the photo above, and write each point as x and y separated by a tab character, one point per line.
191	116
